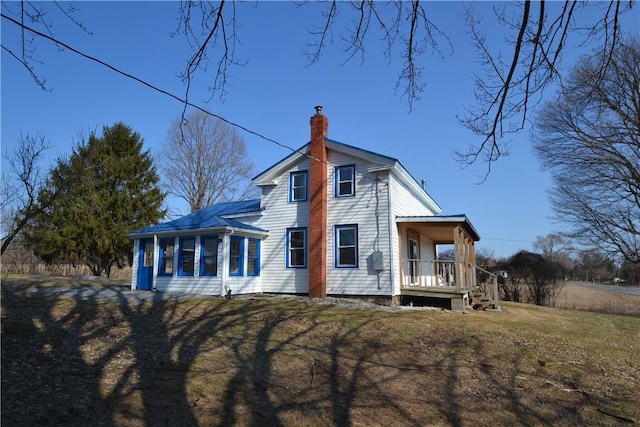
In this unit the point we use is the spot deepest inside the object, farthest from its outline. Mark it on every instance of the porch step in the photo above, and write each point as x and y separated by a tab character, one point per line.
479	301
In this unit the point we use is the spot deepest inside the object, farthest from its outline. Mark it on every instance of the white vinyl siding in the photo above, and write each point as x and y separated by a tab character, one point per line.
369	211
379	198
211	285
404	203
278	216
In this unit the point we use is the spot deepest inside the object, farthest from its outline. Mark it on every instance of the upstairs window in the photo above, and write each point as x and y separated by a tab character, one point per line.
345	181
165	263
236	256
187	256
253	257
296	247
298	186
346	245
209	256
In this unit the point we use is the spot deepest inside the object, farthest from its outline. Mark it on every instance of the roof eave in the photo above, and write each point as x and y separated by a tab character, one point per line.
454	219
189	232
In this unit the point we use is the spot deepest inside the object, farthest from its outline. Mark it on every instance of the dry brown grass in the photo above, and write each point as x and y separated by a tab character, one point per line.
254	362
575	297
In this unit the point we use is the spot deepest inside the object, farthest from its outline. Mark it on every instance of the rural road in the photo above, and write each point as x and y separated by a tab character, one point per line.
635	291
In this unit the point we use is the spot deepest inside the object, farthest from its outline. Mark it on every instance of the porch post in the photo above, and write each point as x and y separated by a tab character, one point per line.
156	261
458	251
136	264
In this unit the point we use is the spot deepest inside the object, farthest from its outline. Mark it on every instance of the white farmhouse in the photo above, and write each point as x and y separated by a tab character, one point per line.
332	220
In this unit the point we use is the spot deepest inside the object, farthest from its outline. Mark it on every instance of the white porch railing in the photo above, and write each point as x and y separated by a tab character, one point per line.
449	274
429	273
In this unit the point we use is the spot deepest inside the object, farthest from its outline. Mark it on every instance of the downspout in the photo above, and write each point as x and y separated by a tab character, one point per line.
392	228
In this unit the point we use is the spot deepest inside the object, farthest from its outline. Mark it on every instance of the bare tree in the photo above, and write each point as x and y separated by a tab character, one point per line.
589	138
21	185
551	245
594	265
507	90
485	256
511	84
205	161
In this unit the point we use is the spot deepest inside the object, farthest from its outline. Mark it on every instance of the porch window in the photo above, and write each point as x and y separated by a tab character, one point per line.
253	257
236	256
187	256
209	256
147	260
345	182
165	263
346	246
298	186
296	247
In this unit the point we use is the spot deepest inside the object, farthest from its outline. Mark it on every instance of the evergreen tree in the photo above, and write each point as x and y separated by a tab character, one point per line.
115	191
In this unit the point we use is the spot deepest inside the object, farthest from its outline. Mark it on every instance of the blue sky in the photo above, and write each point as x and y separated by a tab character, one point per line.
274	95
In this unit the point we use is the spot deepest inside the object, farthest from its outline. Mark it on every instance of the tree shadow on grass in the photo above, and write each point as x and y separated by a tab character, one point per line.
252	362
45	378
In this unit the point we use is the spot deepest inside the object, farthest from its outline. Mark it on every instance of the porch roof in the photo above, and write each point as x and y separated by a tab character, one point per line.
215	217
439	228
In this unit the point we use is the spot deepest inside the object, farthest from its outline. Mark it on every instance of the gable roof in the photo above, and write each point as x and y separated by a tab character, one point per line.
382	162
212	218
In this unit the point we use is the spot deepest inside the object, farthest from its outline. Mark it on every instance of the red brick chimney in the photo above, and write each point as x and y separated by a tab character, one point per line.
318	207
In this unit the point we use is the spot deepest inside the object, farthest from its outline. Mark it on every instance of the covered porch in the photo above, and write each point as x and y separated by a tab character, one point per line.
456	280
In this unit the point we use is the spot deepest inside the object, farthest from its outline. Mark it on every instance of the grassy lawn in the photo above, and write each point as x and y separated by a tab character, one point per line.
291	363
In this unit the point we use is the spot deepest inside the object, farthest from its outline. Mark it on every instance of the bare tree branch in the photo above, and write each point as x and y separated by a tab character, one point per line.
589	138
323	33
218	29
505	99
205	161
21	188
37	15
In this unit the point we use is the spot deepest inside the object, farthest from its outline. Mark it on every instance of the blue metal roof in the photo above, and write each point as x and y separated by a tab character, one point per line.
210	217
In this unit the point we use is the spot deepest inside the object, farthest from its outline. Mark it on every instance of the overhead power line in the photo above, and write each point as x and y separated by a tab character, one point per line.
139	80
155	88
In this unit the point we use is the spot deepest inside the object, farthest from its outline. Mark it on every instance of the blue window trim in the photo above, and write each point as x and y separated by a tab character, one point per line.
336	181
202	255
181	256
162	258
254	260
305	174
240	257
336	241
288	247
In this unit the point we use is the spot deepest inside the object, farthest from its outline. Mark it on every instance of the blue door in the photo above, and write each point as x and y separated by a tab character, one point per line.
145	265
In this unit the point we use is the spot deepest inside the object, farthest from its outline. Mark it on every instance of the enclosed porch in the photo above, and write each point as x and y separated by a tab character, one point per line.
456	283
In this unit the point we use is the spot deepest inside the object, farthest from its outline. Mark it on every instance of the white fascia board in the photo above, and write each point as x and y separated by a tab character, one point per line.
204	231
269	176
431	218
